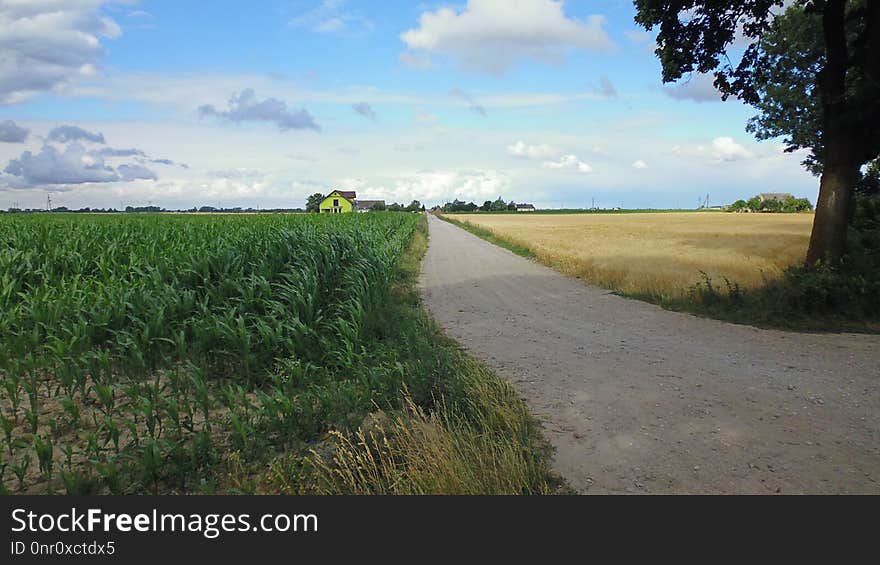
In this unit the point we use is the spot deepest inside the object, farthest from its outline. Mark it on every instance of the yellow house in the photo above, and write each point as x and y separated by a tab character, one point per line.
339	202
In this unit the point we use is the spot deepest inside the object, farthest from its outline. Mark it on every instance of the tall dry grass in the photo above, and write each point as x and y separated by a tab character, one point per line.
659	254
469	434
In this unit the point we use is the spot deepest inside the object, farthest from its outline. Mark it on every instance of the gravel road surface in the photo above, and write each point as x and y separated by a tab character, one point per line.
638	399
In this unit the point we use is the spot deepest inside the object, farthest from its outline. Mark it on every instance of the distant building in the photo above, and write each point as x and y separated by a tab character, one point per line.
525	208
339	202
777	196
367	205
346	202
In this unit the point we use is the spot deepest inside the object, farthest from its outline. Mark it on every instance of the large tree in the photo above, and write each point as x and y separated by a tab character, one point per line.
814	74
313	204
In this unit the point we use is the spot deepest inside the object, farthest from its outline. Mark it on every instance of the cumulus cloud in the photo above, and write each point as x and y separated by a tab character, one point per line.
12	133
699	88
521	150
45	45
726	149
434	185
110	152
135	172
245	107
364	110
490	36
67	134
568	162
719	150
639	165
473	106
52	167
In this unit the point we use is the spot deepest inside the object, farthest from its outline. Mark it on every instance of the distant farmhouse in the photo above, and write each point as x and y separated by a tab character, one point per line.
368	205
772	202
346	202
525	208
774	196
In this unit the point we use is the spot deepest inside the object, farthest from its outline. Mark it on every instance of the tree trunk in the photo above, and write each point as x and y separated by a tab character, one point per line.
840	170
828	241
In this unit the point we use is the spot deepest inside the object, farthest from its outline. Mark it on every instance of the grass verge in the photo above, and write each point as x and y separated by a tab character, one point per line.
458	428
843	298
489	235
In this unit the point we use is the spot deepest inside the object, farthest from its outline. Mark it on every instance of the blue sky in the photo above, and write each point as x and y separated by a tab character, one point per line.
263	103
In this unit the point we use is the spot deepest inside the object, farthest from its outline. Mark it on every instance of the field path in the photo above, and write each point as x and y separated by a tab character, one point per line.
638	399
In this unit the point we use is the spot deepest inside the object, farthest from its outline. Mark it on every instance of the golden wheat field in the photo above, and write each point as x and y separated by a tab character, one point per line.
658	253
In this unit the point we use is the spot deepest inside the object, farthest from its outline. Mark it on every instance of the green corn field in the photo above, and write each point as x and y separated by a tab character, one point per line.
135	351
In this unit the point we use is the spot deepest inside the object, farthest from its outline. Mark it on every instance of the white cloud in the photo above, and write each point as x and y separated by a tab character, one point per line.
45	45
260	168
726	149
56	170
568	162
66	134
492	36
521	150
135	171
178	90
698	88
245	107
434	186
10	132
720	150
639	165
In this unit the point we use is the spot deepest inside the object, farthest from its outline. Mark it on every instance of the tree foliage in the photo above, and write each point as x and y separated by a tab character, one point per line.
790	205
459	206
313	204
813	72
792	55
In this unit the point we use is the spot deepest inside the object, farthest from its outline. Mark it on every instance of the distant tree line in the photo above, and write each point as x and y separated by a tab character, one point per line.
790	205
313	205
498	205
152	210
414	206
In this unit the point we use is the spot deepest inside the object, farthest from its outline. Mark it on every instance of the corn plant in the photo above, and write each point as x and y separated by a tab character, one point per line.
138	348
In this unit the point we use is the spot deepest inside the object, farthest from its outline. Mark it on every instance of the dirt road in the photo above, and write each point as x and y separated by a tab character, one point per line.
639	399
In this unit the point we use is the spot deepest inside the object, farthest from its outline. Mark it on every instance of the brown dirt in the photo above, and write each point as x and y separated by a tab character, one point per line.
638	399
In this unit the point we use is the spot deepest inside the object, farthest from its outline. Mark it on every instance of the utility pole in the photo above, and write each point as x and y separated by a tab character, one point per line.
48	202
